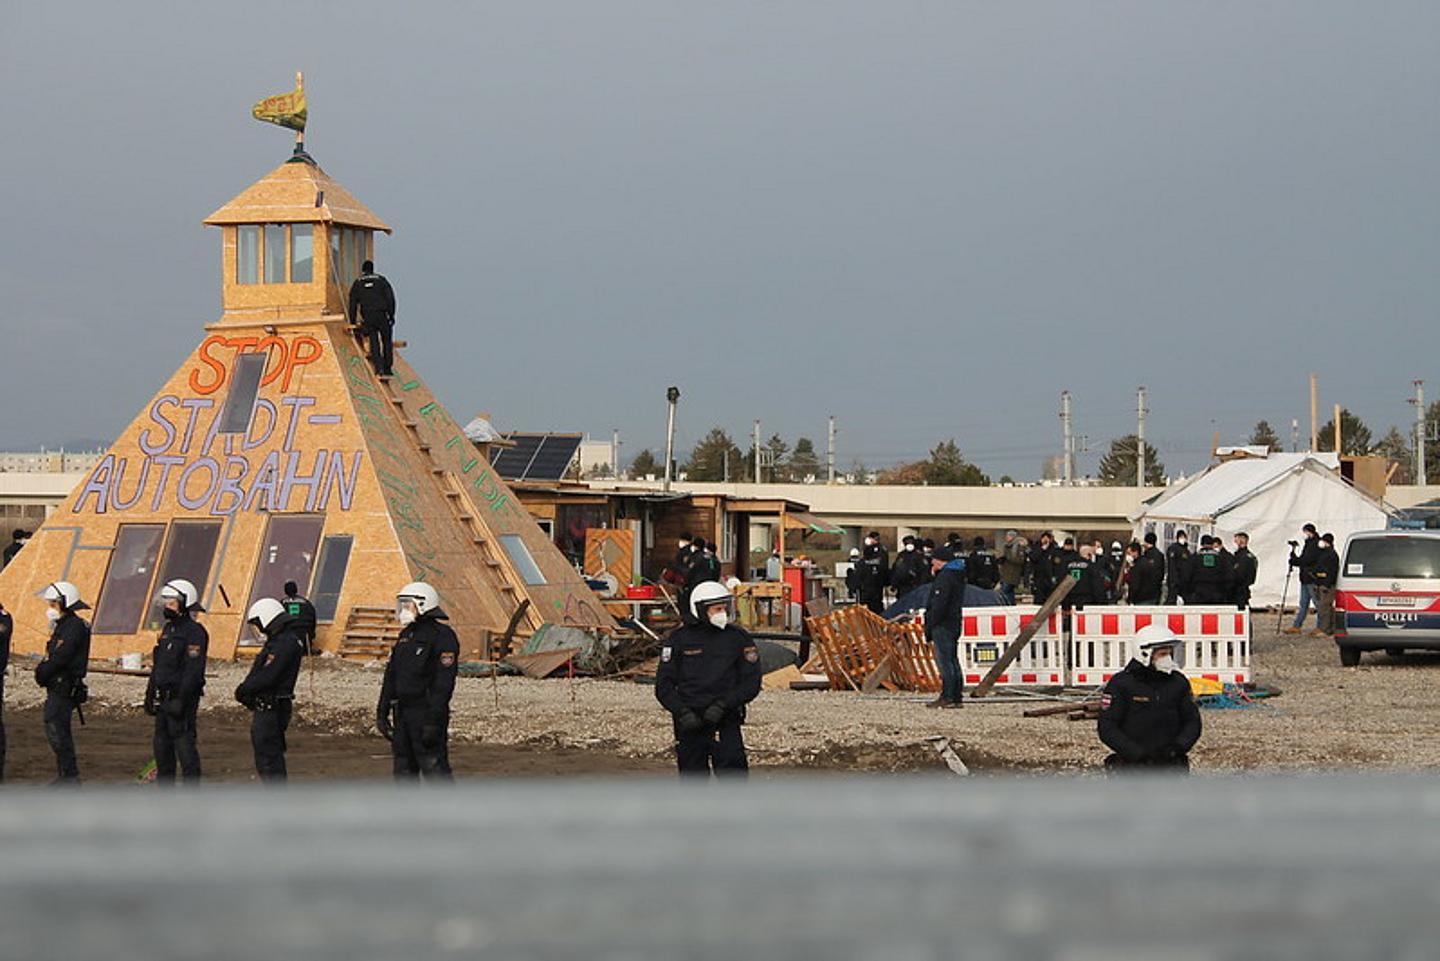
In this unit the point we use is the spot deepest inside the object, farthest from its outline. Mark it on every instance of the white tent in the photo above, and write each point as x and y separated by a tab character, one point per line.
1269	498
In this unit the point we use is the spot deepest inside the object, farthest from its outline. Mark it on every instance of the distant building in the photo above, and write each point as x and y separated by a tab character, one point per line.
48	461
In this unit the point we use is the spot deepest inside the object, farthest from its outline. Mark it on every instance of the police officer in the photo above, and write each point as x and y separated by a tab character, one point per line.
1148	716
944	611
302	615
1042	569
177	680
62	674
1012	564
927	556
1177	569
709	670
1088	572
1327	572
980	566
1305	562
1147	573
1211	576
18	537
1247	567
906	575
852	576
268	691
874	573
703	567
7	626
414	709
373	300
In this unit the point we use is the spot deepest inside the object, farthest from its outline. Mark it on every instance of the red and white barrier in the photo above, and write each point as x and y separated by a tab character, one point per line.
989	630
1216	641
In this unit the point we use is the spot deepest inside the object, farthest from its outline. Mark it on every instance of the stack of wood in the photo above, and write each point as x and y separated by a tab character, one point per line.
1074	711
861	651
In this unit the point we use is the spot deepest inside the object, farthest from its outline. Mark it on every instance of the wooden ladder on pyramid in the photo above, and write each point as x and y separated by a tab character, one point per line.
459	503
370	632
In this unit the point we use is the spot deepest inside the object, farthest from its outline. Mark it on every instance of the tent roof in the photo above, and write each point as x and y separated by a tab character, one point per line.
297	191
1224	486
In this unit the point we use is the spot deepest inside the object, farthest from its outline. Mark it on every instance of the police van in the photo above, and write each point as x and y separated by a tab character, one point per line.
1388	595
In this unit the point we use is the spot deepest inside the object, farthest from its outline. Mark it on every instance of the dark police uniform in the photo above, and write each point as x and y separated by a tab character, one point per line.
269	692
1177	572
414	708
1148	718
302	619
874	575
1211	578
62	674
706	677
7	627
1089	577
372	298
1247	566
1147	576
177	680
1042	571
982	569
906	575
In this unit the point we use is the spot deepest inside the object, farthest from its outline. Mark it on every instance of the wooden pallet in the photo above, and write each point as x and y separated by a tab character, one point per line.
853	644
913	665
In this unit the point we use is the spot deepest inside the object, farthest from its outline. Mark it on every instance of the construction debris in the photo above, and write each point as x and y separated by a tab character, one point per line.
948	755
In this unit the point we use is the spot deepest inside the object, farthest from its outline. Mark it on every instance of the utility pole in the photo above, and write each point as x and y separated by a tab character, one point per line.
1069	453
672	397
725	460
830	454
1420	432
1314	413
1140	413
757	450
1294	434
615	453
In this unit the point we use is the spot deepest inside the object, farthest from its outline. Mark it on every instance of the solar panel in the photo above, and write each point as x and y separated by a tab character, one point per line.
544	457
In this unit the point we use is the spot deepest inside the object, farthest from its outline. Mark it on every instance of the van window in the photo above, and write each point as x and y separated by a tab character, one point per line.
1395	557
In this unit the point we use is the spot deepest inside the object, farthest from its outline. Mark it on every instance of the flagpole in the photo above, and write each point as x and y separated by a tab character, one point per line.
300	134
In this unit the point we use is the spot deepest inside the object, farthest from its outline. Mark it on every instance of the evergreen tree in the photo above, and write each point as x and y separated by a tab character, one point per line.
1394	447
1355	439
1117	467
803	461
1264	436
709	459
646	464
947	468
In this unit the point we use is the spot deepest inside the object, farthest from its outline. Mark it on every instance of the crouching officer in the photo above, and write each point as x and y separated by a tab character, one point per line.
269	689
1148	716
414	709
62	674
709	670
177	680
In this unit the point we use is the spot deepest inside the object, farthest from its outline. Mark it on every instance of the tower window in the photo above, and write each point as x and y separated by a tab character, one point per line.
302	253
274	253
247	255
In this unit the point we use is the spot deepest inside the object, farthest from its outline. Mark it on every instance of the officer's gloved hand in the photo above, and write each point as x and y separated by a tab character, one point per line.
430	737
382	723
714	714
175	707
245	699
150	700
688	721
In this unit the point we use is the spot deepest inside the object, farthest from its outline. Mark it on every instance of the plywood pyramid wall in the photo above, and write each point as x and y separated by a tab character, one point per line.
383	462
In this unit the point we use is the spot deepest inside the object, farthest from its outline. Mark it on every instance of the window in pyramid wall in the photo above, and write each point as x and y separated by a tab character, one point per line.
126	590
287	554
189	555
330	576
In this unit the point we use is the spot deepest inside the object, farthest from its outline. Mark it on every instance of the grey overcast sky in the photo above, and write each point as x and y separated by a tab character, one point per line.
925	218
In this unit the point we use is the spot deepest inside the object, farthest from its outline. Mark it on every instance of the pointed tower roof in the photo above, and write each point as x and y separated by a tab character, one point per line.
297	191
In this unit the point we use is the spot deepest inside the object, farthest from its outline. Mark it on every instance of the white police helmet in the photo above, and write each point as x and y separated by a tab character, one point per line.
183	591
1153	637
264	613
425	598
67	594
707	593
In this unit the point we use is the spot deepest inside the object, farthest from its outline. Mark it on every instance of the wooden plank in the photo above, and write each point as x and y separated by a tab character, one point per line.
542	665
1026	633
782	678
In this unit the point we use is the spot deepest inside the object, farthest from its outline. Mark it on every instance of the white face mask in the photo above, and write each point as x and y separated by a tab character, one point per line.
1165	665
869	542
684	544
407	616
52	615
720	619
909	547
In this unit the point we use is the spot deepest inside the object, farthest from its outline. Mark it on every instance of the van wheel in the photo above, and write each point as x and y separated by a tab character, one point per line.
1349	656
1394	651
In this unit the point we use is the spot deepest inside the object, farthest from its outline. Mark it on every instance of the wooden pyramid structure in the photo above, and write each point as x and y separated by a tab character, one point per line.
274	453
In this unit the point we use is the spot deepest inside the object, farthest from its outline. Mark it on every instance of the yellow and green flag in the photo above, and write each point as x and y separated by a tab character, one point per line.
285	109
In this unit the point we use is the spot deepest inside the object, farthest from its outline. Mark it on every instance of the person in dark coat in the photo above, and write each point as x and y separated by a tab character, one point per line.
927	555
1042	573
1247	568
1177	569
268	691
1147	574
1327	572
907	572
1148	717
62	674
709	671
414	709
981	567
1212	579
177	681
1089	576
874	574
7	627
852	576
18	537
944	623
1304	563
698	571
302	615
372	301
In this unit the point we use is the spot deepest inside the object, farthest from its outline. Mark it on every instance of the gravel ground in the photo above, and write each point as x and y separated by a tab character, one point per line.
1328	717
